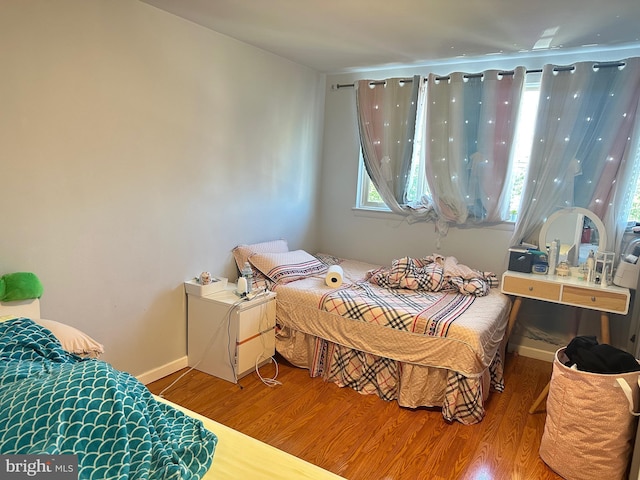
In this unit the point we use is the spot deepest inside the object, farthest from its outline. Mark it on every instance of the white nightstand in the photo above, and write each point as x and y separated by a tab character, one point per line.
228	336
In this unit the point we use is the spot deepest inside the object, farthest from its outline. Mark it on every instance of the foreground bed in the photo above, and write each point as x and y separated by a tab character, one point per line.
56	402
421	348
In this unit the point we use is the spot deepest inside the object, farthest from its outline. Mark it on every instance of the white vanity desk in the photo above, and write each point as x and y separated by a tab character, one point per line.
566	291
568	227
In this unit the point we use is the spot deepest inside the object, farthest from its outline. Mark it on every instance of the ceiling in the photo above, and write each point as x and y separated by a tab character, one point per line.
344	35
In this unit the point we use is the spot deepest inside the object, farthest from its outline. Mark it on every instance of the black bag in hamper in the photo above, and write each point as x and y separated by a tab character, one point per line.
591	422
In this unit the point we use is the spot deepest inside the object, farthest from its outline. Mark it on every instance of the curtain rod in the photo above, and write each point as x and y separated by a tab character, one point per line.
568	68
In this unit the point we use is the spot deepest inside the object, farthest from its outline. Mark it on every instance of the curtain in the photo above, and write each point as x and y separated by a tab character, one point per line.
470	127
584	148
387	120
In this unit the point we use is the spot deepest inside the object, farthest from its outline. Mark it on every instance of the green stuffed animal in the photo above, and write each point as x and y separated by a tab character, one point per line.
19	286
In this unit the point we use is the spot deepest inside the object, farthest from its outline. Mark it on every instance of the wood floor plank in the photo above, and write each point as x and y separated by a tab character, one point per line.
363	437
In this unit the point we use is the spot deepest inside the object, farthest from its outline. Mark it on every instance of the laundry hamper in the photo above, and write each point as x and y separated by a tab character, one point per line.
591	424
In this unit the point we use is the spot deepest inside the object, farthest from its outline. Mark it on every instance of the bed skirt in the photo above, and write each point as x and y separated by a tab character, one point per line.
461	398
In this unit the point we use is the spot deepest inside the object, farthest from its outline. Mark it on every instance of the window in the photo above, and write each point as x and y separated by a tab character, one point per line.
522	145
369	198
367	195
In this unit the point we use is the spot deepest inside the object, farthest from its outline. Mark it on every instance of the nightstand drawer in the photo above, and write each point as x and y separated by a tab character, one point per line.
256	350
595	299
256	319
528	287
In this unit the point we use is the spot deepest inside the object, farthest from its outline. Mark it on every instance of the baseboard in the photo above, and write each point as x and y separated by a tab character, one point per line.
163	371
532	352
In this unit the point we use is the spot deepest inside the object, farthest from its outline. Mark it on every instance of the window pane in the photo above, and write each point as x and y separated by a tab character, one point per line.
522	145
634	214
368	196
372	193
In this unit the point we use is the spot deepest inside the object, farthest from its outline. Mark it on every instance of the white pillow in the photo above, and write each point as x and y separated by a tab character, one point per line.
287	267
242	253
72	339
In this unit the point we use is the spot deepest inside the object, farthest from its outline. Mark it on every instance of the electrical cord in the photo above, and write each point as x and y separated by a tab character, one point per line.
211	342
263	327
269	382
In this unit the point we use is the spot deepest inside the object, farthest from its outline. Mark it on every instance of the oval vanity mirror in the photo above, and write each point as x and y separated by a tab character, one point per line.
578	229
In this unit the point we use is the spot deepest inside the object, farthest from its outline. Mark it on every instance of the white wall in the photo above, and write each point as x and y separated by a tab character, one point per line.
382	238
136	150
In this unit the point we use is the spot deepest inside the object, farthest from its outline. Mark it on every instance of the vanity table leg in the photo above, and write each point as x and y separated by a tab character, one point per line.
540	399
577	315
517	303
604	328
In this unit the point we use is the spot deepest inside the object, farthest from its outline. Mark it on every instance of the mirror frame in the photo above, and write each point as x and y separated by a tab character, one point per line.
602	232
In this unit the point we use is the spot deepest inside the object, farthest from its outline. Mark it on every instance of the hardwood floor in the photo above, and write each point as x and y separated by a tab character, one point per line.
363	437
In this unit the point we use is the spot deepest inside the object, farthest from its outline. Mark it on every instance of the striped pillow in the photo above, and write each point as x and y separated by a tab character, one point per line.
287	267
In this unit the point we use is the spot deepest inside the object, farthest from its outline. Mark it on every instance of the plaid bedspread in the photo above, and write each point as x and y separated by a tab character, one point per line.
372	374
419	347
417	312
426	311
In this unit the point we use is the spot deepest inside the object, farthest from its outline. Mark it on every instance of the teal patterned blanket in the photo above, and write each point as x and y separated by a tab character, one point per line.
53	402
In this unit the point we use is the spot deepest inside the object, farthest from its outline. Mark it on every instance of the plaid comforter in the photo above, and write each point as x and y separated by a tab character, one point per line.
433	274
418	347
421	296
417	312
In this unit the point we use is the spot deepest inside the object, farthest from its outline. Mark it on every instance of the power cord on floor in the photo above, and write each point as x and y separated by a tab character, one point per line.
269	382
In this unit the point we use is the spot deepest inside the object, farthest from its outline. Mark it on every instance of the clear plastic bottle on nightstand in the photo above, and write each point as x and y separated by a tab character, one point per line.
247	273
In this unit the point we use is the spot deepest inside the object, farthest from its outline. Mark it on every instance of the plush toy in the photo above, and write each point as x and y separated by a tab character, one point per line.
19	286
205	278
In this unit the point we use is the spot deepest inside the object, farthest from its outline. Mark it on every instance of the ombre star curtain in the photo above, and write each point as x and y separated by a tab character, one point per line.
386	120
585	146
471	120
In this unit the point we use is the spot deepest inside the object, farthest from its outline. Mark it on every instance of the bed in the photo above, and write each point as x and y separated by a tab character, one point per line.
57	398
441	348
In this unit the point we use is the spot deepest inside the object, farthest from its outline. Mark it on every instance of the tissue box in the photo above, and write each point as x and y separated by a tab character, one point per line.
193	287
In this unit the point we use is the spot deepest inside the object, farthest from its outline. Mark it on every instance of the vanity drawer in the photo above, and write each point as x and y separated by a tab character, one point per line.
532	288
596	299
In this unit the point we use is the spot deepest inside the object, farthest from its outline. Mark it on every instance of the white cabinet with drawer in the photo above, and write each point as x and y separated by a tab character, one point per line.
229	337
